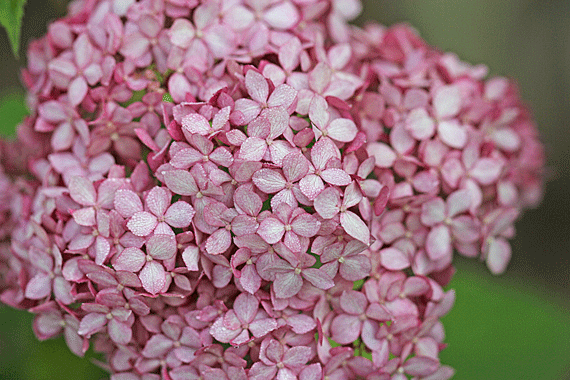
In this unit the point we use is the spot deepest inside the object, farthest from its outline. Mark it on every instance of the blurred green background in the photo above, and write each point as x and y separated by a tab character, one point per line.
516	326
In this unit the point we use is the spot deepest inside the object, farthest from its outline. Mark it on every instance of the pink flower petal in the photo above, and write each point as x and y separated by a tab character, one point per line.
382	153
438	243
77	90
486	171
394	259
343	130
256	86
337	177
452	133
311	186
282	16
218	242
195	123
447	101
433	212
38	287
498	255
131	259
180	182
345	328
306	225
252	149
327	203
287	284
419	124
269	181
355	227
82	191
157	200
142	223
179	214
153	277
161	247
271	230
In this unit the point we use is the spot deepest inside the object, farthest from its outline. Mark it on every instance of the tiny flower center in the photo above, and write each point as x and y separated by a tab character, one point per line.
280	365
288	227
177	344
114	136
249	262
448	221
362	317
205	158
148	258
401	370
297	270
109	316
341	260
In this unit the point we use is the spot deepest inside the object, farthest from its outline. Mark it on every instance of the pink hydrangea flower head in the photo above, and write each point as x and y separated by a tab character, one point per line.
255	189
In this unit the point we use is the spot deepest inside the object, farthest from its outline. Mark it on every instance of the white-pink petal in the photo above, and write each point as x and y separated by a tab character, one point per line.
82	191
195	123
179	214
153	277
271	230
452	133
142	223
384	155
447	101
355	227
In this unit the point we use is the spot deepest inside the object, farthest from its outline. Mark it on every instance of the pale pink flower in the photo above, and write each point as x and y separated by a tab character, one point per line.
279	361
346	259
294	223
446	222
77	70
324	155
235	326
161	215
152	273
328	205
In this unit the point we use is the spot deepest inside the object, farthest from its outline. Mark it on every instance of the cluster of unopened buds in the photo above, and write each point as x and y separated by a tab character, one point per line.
255	189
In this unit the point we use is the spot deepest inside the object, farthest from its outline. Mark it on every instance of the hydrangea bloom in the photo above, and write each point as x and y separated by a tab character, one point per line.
255	189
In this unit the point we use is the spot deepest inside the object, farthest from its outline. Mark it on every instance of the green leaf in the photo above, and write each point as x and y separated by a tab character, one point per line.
11	13
12	110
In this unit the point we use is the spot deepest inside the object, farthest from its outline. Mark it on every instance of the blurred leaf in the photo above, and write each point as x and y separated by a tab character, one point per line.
23	357
505	328
12	110
11	13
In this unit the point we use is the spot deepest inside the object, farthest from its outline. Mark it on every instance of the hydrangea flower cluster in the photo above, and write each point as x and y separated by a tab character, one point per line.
255	189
